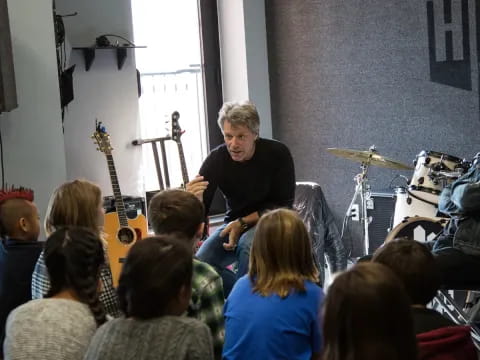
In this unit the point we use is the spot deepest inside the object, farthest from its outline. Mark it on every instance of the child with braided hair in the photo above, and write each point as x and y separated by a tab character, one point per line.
19	249
76	203
61	325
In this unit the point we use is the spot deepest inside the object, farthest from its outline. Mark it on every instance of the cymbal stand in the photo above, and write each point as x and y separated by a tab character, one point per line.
362	189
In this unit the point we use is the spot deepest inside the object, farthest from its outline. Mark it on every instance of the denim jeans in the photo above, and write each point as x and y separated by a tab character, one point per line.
213	253
458	270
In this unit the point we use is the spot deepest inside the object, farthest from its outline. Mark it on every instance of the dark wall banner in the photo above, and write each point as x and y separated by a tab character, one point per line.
402	75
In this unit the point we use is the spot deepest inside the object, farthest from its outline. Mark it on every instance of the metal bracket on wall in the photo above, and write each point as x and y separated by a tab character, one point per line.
121	52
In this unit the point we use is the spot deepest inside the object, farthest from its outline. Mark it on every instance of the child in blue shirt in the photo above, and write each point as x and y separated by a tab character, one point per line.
274	311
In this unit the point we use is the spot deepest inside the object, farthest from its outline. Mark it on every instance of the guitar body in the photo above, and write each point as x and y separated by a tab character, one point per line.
120	239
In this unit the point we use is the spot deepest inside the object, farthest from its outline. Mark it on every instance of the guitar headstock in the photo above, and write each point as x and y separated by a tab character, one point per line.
102	138
177	131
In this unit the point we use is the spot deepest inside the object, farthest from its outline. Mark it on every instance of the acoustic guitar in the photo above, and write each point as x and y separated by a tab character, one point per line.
121	232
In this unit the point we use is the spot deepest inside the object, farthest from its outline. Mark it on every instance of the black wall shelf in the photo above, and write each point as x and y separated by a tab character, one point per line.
121	51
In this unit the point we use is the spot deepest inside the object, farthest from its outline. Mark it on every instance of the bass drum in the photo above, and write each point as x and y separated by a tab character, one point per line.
417	228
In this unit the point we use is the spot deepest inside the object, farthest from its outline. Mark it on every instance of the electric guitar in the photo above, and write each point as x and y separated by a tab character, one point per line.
176	135
121	232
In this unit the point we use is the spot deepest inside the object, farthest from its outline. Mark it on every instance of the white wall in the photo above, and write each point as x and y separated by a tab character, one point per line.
243	51
104	92
33	145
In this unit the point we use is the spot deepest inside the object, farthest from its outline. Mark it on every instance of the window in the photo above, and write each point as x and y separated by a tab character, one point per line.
172	80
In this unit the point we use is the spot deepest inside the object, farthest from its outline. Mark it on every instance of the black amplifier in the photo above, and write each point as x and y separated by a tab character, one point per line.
380	210
134	205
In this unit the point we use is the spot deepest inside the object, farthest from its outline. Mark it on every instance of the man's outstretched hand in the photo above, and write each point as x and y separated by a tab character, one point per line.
197	187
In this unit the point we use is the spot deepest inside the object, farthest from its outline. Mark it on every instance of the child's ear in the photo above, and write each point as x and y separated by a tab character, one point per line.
24	225
199	232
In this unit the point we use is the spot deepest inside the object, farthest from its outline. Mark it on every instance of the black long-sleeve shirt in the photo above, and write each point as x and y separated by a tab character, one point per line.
266	181
17	260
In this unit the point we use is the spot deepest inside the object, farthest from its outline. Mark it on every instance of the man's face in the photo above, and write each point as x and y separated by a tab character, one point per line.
240	141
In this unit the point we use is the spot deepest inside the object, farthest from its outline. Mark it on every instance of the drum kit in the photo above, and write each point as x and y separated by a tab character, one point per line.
416	204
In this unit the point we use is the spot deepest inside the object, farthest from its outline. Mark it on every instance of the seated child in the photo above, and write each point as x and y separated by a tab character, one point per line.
76	203
19	250
61	325
274	311
367	316
154	290
417	269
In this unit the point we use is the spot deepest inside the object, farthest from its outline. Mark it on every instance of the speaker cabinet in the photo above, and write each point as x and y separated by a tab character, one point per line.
8	92
380	210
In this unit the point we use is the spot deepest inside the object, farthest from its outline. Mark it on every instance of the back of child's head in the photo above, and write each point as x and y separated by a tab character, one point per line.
367	316
281	256
415	265
74	257
74	203
18	214
156	271
175	211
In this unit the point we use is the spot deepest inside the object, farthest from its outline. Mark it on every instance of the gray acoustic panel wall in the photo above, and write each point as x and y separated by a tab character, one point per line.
402	75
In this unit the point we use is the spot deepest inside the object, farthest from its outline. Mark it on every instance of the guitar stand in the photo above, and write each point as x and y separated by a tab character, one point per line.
158	167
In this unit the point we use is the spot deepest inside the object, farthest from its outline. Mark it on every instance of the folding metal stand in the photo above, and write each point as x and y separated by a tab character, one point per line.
153	142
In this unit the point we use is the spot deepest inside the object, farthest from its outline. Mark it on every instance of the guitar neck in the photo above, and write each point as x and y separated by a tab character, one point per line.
120	206
183	163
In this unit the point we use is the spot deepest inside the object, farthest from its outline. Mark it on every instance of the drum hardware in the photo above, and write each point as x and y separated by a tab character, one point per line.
362	188
433	171
417	228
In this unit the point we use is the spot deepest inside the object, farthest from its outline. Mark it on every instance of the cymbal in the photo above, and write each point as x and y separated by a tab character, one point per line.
370	157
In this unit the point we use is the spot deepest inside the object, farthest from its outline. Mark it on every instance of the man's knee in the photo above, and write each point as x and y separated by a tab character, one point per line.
245	241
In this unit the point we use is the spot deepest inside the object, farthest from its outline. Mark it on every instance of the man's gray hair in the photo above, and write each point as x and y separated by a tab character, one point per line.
240	114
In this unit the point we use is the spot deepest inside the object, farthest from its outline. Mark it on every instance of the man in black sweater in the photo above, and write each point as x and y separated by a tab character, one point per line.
19	250
254	175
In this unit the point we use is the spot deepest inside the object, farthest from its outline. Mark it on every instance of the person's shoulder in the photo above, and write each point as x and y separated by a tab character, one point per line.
216	156
204	274
314	290
220	150
201	268
243	284
185	321
272	145
27	307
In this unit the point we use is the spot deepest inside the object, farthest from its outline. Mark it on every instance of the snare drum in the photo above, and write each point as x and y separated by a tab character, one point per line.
426	184
408	206
417	228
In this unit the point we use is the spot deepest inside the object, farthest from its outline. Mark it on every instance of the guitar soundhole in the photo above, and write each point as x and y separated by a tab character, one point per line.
126	236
